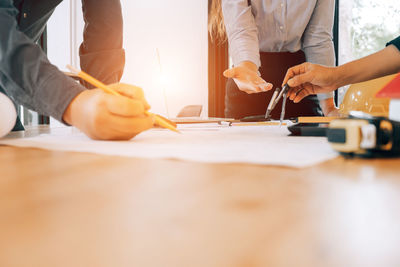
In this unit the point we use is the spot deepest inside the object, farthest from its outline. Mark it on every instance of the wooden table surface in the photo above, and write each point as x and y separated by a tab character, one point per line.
77	209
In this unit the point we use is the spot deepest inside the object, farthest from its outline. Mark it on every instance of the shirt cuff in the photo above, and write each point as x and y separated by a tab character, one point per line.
106	66
239	57
64	90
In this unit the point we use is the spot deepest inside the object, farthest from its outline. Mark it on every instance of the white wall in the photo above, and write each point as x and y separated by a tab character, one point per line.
178	29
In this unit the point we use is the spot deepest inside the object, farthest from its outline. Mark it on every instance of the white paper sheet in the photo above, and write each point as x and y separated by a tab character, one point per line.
267	145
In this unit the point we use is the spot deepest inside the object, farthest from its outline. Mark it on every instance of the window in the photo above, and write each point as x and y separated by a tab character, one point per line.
365	26
166	52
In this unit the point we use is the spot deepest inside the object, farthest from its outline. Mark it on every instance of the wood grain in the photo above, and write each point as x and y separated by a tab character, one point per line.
77	209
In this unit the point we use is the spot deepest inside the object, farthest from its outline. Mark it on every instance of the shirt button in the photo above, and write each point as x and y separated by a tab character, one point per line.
25	15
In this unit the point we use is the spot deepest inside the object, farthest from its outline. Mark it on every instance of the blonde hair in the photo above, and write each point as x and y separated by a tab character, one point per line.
216	25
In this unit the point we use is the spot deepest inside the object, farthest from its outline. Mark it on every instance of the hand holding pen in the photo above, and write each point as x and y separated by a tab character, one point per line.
116	112
309	79
102	116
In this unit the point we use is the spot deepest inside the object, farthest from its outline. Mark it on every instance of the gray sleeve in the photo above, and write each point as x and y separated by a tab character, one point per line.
242	31
26	74
101	53
317	38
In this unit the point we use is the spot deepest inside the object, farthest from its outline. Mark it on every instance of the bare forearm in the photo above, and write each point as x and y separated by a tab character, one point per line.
384	62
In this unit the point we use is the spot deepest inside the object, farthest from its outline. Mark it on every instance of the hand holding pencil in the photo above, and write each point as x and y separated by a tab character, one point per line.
116	112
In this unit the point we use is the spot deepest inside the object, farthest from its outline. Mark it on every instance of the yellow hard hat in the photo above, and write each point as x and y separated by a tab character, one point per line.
361	97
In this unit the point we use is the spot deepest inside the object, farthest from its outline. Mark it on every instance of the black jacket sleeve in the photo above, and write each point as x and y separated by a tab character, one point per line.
395	42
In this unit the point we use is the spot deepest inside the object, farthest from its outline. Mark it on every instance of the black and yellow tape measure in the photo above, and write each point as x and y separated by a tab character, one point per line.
363	135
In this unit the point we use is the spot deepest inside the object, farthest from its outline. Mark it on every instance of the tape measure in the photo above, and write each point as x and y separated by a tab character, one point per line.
366	136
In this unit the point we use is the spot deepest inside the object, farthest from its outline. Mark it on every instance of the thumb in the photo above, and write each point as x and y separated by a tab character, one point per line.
230	73
300	79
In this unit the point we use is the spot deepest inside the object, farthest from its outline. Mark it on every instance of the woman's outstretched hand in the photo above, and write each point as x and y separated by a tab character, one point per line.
247	78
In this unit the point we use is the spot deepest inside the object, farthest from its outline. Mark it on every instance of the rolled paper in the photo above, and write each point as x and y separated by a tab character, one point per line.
8	115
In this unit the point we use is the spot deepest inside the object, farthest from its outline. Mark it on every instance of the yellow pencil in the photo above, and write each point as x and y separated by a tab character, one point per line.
159	121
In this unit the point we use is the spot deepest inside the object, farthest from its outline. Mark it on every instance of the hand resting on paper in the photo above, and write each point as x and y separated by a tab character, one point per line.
104	116
247	78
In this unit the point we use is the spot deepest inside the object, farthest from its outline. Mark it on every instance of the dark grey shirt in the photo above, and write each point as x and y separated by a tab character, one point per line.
27	76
